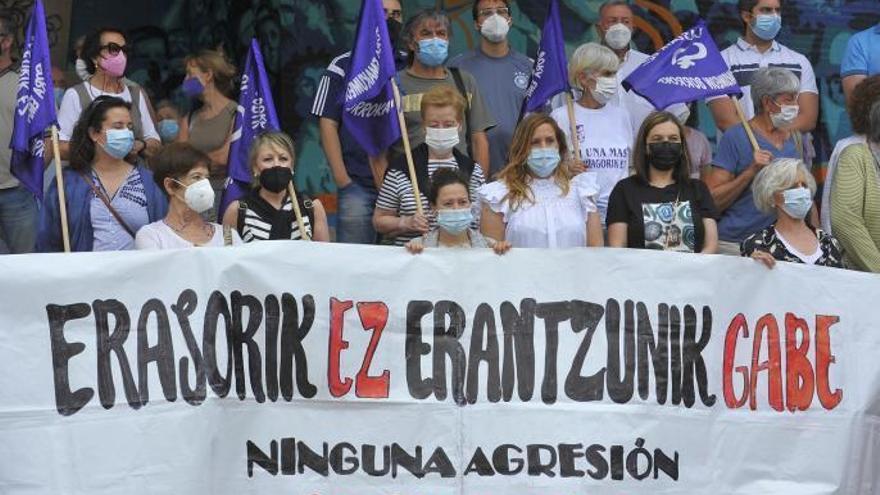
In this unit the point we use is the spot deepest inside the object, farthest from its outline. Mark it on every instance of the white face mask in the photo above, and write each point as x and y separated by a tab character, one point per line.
441	140
81	71
199	195
618	36
606	88
495	28
786	116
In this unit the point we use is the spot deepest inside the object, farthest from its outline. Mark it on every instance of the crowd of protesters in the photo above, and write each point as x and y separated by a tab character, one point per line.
139	175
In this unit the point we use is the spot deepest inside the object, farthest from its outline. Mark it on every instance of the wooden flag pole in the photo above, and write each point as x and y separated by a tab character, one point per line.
575	142
406	150
62	200
745	123
297	212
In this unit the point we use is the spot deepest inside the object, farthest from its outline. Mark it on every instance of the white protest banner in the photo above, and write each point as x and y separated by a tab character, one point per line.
307	368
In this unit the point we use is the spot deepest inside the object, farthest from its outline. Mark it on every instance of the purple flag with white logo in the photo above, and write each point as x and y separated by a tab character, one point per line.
550	73
368	99
35	105
256	115
688	68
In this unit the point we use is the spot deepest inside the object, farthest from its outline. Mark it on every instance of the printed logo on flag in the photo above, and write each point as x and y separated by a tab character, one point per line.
688	68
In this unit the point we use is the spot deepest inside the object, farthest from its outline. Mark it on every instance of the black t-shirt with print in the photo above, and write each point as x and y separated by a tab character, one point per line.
668	219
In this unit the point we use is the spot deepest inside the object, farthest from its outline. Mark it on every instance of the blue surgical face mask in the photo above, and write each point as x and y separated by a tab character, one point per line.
433	51
543	161
766	26
193	87
119	142
455	221
168	130
797	202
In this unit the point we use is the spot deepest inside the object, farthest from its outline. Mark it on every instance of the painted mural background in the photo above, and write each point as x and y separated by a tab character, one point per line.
299	37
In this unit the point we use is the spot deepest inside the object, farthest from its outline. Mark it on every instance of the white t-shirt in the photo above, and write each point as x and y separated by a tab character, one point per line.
553	220
158	235
744	59
71	110
638	107
606	141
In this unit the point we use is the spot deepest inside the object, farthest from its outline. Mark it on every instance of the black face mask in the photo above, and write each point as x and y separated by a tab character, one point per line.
664	156
394	29
276	179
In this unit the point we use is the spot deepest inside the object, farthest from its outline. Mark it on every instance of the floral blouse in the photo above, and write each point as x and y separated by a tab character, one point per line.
830	253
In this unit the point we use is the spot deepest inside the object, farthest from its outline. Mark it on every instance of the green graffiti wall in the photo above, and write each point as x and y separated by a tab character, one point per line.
299	37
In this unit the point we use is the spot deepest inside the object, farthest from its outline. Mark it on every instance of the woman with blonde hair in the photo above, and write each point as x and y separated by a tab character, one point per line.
210	81
396	214
267	212
537	200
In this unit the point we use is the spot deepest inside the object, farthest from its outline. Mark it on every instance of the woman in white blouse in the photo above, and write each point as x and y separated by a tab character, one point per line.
537	200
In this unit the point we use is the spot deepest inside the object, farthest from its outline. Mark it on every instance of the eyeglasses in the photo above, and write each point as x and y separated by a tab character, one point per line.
502	11
114	48
395	14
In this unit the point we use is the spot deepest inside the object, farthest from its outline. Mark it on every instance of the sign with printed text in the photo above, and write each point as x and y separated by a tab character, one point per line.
308	368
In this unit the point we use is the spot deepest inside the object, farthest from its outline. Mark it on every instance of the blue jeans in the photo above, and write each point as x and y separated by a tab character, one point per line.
18	220
355	214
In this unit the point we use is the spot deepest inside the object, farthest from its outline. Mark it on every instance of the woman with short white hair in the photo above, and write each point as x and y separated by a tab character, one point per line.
604	131
785	189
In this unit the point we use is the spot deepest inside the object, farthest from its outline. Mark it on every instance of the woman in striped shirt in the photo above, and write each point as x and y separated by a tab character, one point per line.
266	213
396	215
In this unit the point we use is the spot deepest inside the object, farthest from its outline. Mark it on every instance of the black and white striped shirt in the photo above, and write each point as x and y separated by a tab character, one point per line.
258	229
397	195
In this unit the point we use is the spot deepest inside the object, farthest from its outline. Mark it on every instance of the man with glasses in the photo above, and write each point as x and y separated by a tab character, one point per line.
348	162
502	75
105	52
18	207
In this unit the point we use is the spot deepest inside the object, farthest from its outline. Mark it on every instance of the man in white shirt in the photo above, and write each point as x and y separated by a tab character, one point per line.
756	50
615	28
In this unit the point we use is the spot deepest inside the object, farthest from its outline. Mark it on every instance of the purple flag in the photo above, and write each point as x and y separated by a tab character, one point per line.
688	68
550	73
256	114
35	105
368	99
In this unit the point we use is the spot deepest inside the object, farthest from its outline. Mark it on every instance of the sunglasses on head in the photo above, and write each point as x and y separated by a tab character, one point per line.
114	48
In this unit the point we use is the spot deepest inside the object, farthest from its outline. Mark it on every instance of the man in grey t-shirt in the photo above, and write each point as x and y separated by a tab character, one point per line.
426	39
18	207
501	73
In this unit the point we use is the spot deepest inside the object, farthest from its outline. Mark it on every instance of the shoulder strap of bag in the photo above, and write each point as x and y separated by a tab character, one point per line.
227	235
798	143
242	213
100	194
459	83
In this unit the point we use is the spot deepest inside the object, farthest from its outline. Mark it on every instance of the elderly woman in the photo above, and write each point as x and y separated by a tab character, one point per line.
736	162
108	199
785	190
537	200
183	174
662	207
451	203
855	195
604	130
442	109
